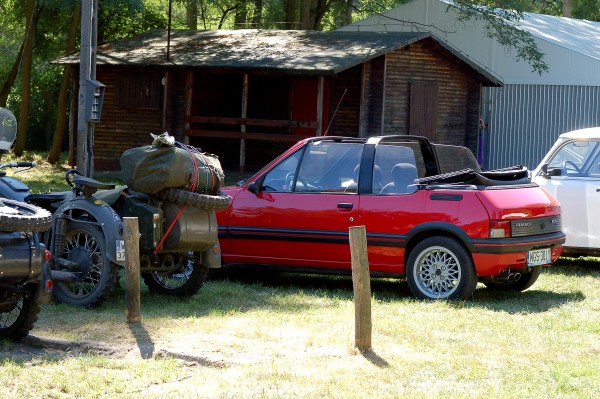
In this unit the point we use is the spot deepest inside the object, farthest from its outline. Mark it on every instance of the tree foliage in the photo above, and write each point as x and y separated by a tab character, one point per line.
501	23
118	19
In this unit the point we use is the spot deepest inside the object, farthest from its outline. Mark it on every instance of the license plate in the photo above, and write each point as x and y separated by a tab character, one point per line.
539	257
120	253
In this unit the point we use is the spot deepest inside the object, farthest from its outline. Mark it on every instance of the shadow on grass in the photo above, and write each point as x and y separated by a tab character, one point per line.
246	289
375	359
325	285
530	301
143	340
394	290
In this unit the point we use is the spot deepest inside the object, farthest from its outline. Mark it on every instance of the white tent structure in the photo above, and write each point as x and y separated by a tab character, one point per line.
525	116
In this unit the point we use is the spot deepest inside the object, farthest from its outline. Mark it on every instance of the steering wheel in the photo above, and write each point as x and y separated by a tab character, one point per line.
567	164
69	176
289	179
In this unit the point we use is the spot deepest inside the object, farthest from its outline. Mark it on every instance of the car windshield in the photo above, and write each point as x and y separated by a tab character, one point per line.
577	158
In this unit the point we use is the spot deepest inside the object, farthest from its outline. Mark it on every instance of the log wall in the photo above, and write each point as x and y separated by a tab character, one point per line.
458	92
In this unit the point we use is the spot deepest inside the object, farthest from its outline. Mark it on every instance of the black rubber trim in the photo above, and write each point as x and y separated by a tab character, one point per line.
488	245
519	244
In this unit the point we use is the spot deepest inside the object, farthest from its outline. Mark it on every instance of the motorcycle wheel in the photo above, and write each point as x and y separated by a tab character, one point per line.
185	281
18	313
196	200
84	244
19	216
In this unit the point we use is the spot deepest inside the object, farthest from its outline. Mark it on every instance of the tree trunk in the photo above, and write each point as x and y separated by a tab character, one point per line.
567	8
203	14
26	78
12	76
192	14
349	4
320	7
61	114
241	16
290	17
224	13
305	6
258	6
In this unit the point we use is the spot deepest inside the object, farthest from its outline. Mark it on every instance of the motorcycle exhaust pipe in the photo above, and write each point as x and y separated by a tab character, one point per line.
63	277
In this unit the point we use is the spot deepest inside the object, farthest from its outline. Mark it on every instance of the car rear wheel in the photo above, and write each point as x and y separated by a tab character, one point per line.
526	281
441	268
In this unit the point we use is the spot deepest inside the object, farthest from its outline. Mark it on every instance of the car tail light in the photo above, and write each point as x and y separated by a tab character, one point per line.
499	229
47	255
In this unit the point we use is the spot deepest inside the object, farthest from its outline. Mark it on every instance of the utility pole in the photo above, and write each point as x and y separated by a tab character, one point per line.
87	74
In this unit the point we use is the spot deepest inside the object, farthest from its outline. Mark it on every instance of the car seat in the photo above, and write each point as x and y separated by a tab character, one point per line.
404	176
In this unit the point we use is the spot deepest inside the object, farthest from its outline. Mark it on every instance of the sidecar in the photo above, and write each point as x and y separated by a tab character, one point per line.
178	242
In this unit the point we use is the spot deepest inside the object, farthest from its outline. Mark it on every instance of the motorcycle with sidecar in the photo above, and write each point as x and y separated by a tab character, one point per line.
178	242
25	277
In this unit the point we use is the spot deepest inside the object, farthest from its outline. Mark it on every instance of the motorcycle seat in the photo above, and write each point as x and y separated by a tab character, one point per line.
83	181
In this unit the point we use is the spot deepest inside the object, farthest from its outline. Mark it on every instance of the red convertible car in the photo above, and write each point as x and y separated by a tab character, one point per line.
431	215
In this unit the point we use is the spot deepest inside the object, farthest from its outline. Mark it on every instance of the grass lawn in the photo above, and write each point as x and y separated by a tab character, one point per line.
270	335
250	334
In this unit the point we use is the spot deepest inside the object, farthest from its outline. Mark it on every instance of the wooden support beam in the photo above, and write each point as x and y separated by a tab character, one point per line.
320	93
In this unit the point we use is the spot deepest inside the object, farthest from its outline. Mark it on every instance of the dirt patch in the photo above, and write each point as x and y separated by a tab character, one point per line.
36	348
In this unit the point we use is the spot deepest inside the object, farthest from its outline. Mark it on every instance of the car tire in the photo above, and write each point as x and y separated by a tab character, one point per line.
526	281
19	216
441	268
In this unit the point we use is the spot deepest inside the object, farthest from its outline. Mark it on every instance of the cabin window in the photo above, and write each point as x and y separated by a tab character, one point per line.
138	92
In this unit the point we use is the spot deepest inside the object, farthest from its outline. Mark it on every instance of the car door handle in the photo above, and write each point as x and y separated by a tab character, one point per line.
345	205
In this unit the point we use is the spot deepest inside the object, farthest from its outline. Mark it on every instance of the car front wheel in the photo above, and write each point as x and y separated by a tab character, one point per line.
441	268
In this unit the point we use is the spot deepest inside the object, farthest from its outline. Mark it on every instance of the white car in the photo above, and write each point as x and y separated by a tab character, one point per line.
571	172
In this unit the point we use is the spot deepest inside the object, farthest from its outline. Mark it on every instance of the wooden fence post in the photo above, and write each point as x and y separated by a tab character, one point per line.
361	281
132	269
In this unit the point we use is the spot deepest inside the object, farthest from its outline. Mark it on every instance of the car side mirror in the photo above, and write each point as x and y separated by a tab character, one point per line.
548	173
254	187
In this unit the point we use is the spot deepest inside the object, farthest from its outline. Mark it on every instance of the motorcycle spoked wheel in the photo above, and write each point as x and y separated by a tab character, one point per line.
85	245
186	280
18	312
20	216
195	200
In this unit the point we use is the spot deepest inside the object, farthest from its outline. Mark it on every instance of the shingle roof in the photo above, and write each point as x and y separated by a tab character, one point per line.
287	51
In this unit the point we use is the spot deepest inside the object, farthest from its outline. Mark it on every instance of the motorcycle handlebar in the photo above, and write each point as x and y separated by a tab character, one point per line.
20	164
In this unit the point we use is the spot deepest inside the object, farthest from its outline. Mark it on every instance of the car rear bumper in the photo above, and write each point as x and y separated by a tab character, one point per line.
492	256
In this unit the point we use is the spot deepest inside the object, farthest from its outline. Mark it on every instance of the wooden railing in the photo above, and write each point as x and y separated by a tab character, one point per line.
245	122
